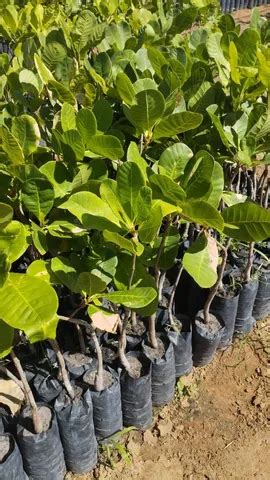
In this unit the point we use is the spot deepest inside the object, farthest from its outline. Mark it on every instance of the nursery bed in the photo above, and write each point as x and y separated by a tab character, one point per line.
217	430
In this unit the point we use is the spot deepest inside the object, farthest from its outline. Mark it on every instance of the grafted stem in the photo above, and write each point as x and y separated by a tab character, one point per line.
247	271
123	342
62	368
215	288
99	380
37	423
172	295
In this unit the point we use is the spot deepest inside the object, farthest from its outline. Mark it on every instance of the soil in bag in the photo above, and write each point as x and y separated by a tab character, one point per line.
181	337
205	339
225	308
136	392
76	427
244	320
77	364
11	464
107	407
46	387
42	453
135	335
163	370
262	302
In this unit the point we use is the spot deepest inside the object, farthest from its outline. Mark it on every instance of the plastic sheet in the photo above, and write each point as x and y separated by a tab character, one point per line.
76	427
163	375
107	409
11	468
244	320
46	387
262	302
225	308
42	453
205	341
136	395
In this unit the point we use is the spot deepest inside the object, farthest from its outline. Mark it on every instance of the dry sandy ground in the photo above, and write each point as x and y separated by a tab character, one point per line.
216	428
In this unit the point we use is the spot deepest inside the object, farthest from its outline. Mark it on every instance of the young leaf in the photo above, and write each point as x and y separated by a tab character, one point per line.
174	160
133	298
30	306
11	146
89	284
199	211
92	211
124	243
166	189
25	130
106	146
247	222
59	176
134	156
149	107
38	197
143	205
13	240
177	123
125	88
149	229
86	124
68	118
201	261
129	181
109	193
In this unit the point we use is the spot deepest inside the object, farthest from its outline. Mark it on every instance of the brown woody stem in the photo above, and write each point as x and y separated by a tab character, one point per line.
170	306
62	368
247	271
37	423
214	289
122	343
99	380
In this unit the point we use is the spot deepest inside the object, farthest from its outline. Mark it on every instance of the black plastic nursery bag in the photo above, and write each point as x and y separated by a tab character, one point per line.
11	467
225	308
205	340
244	320
46	387
262	302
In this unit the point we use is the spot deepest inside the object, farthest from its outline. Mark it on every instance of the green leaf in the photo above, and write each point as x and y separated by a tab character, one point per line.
199	211
133	298
124	243
11	146
117	35
13	241
232	198
177	123
73	139
158	61
125	88
89	284
68	118
59	176
29	78
174	160
104	114
109	193
86	125
217	123
106	146
247	222
38	268
183	20
201	261
60	92
134	156
149	108
43	72
143	205
25	130
148	230
38	197
54	53
6	339
166	189
63	272
30	306
6	214
92	211
129	181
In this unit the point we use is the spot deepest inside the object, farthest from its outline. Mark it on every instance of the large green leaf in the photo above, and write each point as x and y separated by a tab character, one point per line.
62	272
174	160
59	176
183	20
106	146
158	61
247	222
86	124
117	35
60	92
109	193
25	130
13	240
177	123
199	211
166	189
133	298
11	146
90	284
149	108
30	306
38	197
6	214
125	88
148	230
143	205
201	260
129	245
73	139
129	181
92	211
133	155
6	339
68	117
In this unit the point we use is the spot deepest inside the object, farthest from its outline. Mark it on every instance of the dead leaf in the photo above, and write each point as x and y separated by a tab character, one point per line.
11	395
102	321
213	252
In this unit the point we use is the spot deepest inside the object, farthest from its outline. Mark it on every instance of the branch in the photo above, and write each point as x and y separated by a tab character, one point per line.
62	367
247	271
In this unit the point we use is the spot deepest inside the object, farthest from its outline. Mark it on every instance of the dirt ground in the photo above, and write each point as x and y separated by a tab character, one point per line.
216	428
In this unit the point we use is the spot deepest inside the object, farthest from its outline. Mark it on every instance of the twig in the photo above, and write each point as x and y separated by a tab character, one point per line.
62	367
99	380
37	423
247	271
174	288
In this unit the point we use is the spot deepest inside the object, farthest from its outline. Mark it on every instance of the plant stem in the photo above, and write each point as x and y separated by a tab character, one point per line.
81	338
62	368
152	331
170	306
133	266
38	427
133	319
99	380
214	289
247	271
75	321
122	343
266	198
10	375
160	286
